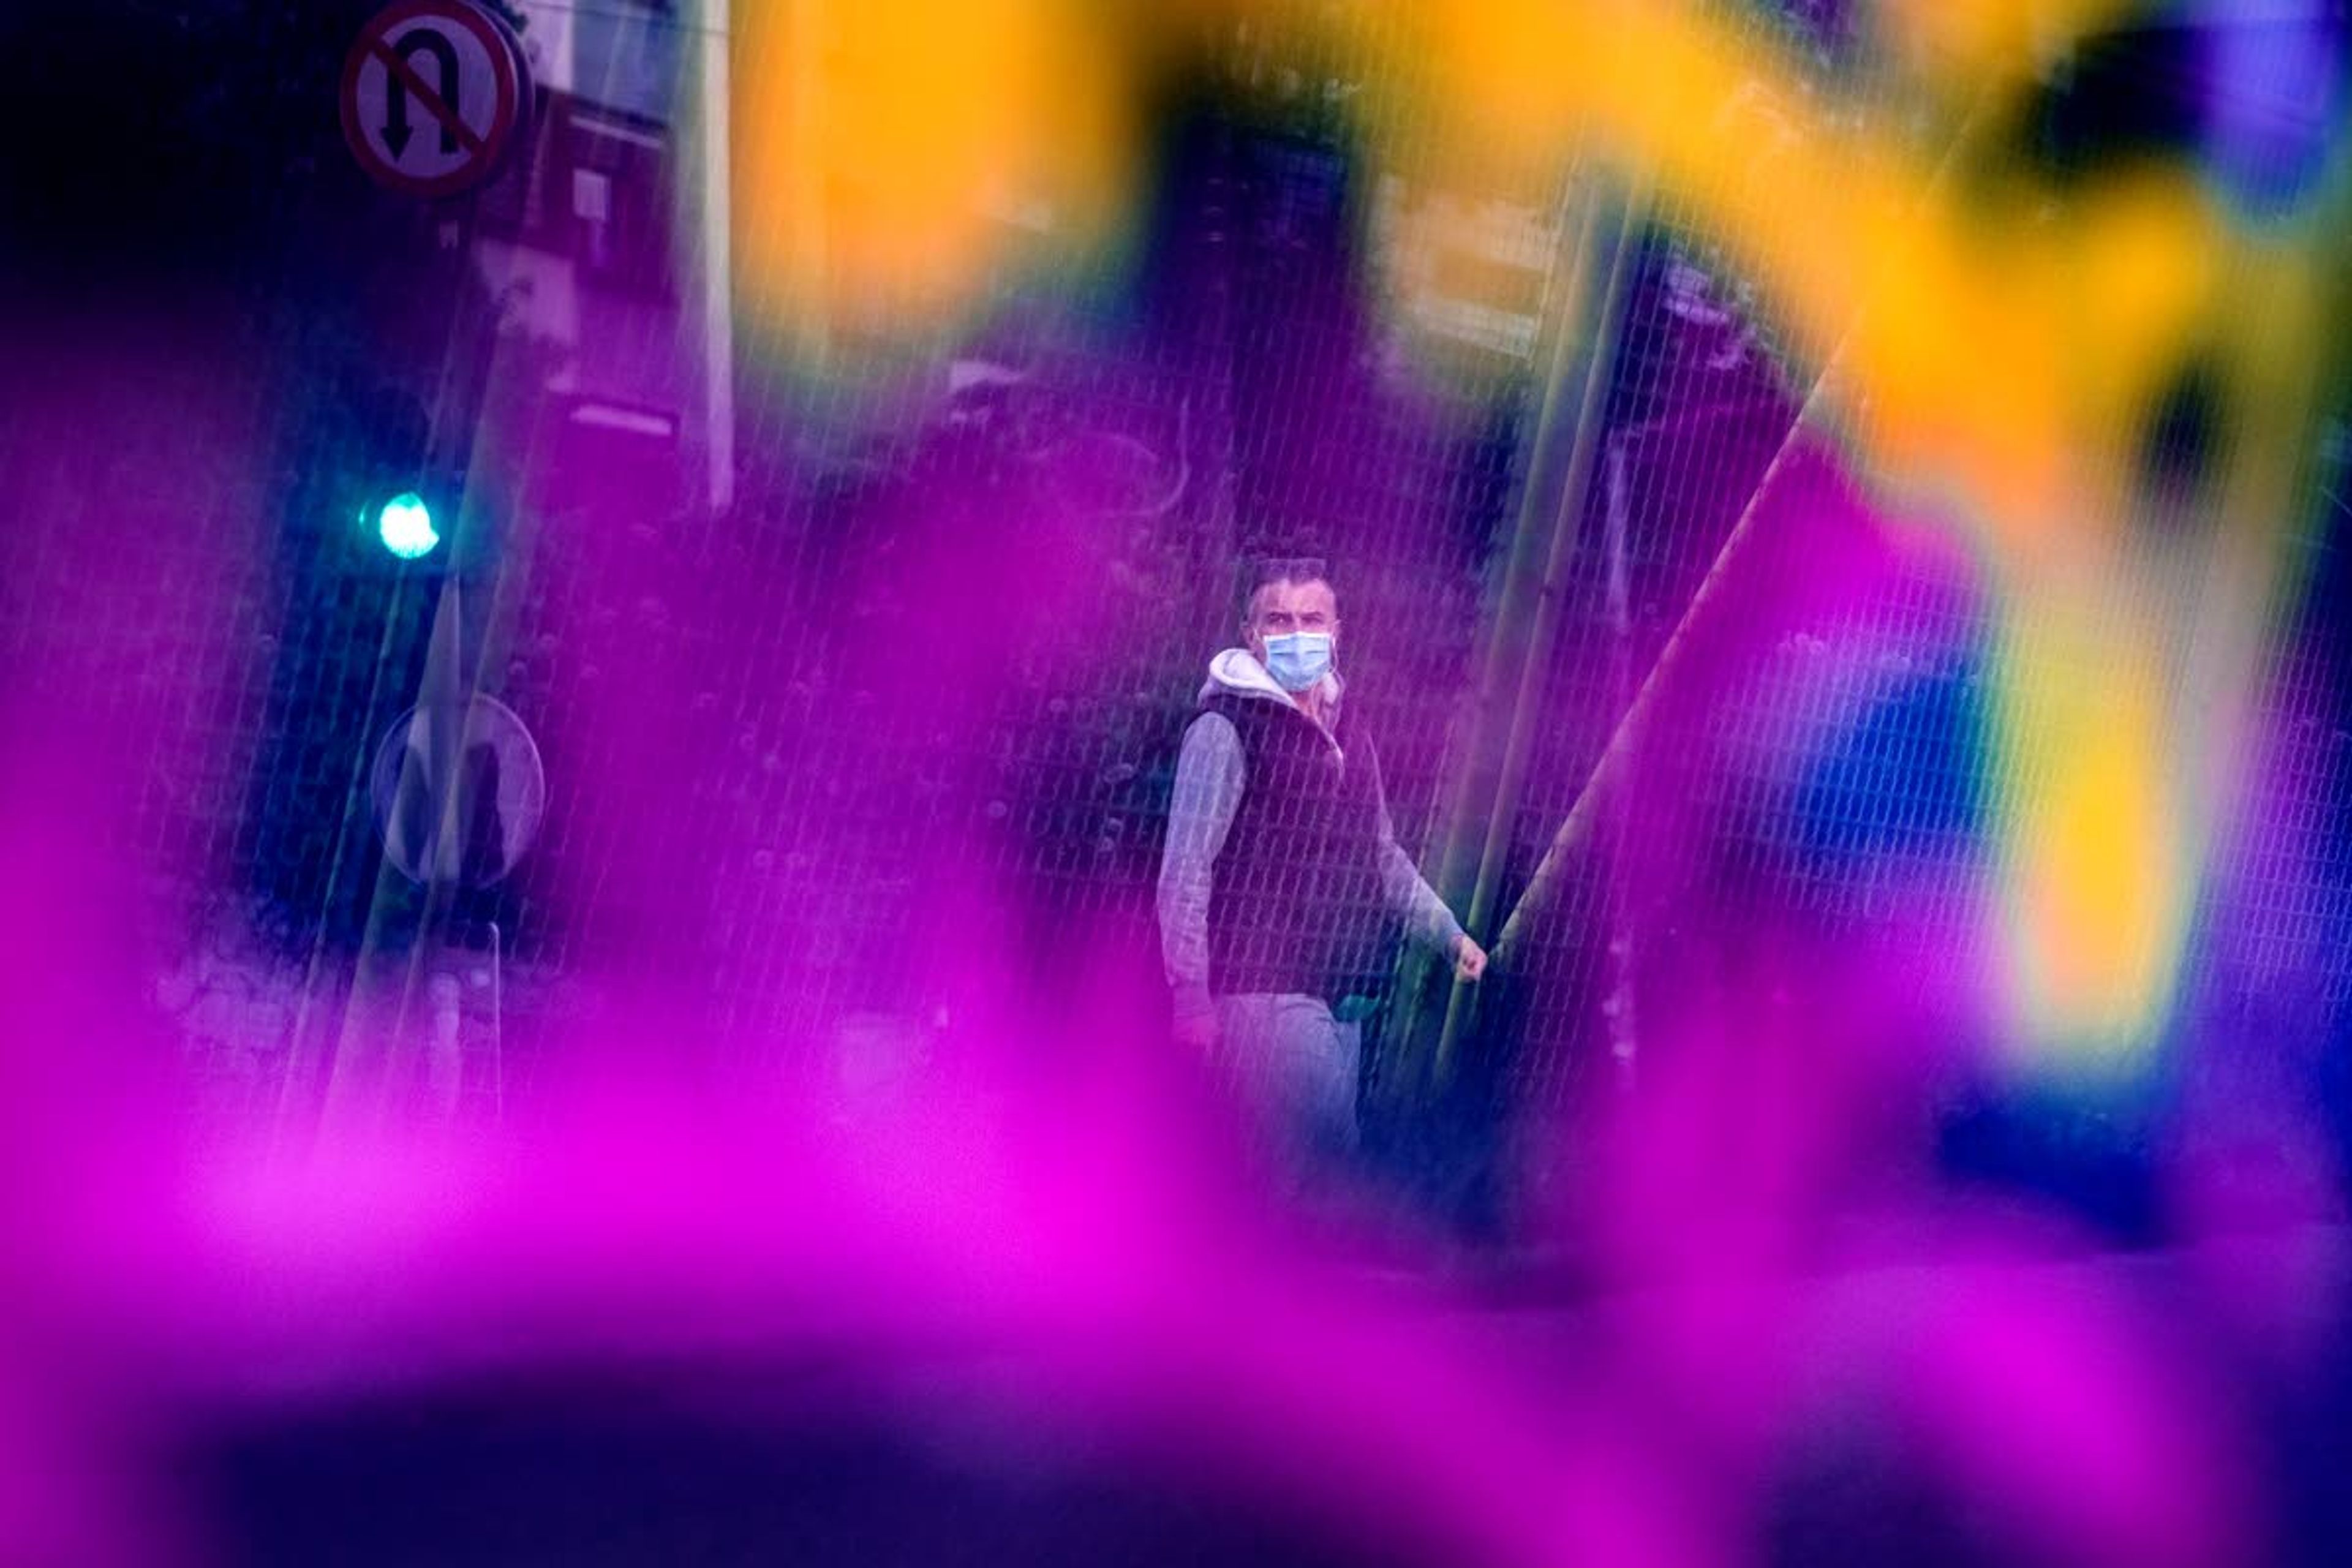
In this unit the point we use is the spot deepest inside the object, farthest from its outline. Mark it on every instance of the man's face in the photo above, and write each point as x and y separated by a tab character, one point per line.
1286	607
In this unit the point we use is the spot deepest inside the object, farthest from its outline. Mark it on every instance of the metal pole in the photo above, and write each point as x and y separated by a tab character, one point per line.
1472	792
1505	651
1544	885
712	123
1535	668
1618	1009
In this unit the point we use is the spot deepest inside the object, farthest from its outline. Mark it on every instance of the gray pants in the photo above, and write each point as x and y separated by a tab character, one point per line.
1292	1067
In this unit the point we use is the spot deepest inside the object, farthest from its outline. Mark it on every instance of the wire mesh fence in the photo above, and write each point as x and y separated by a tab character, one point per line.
1656	659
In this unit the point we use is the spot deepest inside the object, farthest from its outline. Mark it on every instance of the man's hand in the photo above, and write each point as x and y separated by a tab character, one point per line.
1469	958
1197	1032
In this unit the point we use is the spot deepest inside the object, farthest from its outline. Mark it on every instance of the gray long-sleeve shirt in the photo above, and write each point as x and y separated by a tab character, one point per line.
1210	773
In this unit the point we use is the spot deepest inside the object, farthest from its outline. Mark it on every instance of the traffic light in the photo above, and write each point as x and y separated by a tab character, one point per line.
385	503
404	525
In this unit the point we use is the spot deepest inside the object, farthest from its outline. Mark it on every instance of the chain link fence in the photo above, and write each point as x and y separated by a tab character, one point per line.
1652	657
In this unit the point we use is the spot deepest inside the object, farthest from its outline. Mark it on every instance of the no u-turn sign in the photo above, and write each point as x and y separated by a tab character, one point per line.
432	91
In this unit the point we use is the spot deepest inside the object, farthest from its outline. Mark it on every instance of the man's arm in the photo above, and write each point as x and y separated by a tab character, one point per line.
1210	772
1412	901
1415	904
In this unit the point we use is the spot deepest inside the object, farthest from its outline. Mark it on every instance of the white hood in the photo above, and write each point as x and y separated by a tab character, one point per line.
1238	673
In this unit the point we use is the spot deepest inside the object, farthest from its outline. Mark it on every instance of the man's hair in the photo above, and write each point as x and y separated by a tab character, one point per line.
1266	570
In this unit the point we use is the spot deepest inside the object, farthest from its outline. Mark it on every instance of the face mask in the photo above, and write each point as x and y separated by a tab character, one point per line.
1298	661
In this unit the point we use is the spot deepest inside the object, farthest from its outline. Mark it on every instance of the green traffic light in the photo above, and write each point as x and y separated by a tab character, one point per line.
406	526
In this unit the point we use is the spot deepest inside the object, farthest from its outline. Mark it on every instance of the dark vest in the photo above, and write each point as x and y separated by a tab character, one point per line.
1297	901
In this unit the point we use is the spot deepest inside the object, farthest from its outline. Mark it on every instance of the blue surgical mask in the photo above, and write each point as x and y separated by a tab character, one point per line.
1298	661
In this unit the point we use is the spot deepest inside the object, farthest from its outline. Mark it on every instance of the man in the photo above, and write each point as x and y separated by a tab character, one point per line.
1281	870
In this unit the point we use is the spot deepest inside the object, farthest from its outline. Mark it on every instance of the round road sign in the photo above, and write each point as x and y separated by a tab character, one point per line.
432	91
494	772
